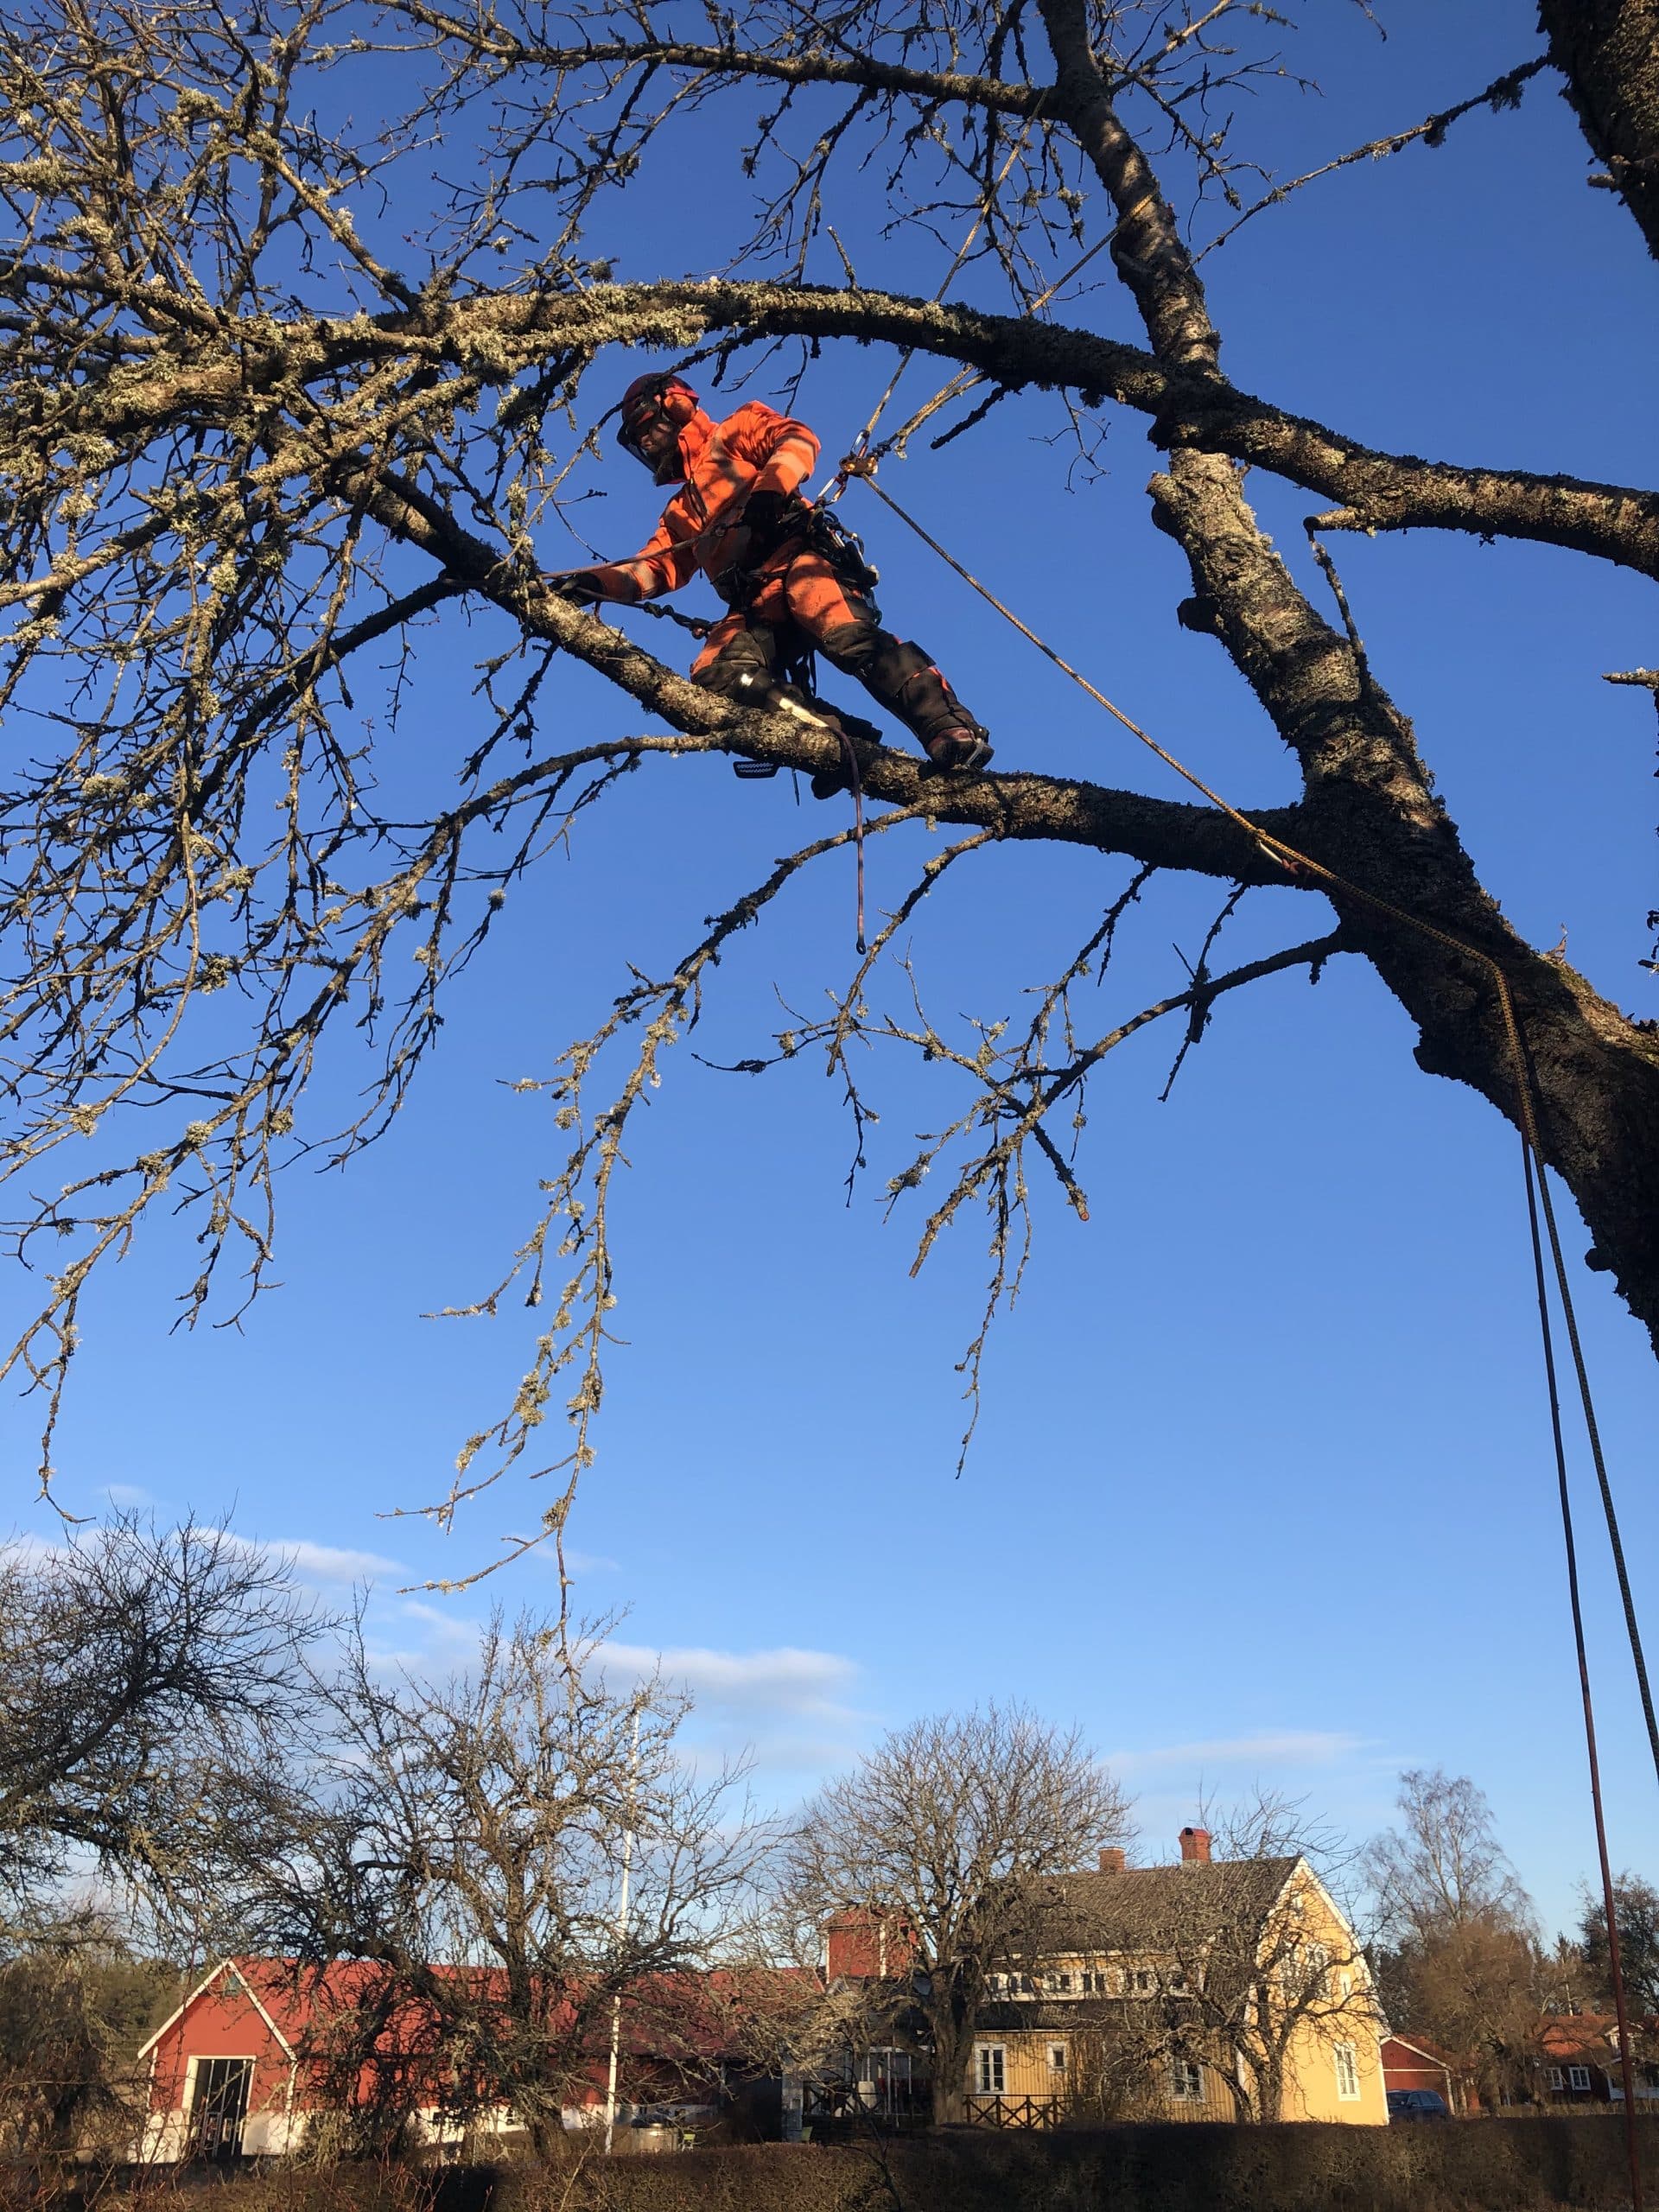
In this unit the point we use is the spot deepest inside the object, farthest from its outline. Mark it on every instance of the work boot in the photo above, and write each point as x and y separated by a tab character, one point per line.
829	781
959	751
760	688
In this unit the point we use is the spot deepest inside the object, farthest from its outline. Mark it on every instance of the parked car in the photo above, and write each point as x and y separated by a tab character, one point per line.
1417	2104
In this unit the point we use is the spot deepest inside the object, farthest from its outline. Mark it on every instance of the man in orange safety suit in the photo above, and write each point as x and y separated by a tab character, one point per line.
793	581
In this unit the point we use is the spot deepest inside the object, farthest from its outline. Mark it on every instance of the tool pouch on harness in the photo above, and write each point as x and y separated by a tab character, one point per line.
806	527
830	538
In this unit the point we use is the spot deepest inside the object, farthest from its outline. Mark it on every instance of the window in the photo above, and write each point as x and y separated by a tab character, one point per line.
1057	2058
1347	2073
1142	1981
1301	1971
1578	2077
1062	1985
1186	2081
1554	2078
989	2071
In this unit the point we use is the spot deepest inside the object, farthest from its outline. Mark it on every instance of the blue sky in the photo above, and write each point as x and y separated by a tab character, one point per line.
1261	1490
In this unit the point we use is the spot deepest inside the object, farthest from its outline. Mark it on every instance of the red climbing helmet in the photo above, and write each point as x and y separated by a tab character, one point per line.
664	398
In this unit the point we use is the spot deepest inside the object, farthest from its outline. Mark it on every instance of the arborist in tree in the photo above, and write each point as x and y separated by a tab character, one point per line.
797	583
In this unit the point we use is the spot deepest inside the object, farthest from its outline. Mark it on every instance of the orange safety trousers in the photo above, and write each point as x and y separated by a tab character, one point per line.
804	592
803	602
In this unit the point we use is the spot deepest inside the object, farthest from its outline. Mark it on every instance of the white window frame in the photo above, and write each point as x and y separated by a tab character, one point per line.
1554	2078
990	2069
1058	2056
1347	2060
1578	2077
1187	2081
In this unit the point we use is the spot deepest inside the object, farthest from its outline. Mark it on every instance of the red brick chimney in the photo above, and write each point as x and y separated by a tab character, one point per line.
1195	1847
1113	1858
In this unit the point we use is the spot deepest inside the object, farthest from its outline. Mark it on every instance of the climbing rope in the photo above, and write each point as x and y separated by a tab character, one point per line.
1632	2153
1296	862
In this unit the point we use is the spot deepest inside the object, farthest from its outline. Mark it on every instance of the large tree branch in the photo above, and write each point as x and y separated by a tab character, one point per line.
1597	1073
492	41
498	335
1167	832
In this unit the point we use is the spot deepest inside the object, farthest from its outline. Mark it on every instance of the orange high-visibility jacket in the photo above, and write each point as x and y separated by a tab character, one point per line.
757	449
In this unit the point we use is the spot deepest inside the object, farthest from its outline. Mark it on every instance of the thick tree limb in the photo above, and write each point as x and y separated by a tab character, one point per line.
1167	832
1368	800
498	336
492	41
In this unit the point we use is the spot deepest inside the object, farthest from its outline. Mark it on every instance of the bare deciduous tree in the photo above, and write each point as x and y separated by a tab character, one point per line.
73	2010
1457	1951
468	1844
1443	1866
945	1837
271	402
1253	1963
150	1700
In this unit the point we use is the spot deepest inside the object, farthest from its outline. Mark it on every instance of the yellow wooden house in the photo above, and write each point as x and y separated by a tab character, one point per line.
1209	1989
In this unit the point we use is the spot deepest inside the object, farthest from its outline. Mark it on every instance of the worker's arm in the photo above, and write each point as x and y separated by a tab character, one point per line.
782	451
783	454
663	564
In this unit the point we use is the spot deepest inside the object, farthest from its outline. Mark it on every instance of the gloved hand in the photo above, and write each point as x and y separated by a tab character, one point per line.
761	528
763	517
581	588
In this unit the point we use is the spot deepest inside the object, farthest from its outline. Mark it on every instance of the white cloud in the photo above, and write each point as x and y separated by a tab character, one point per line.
1281	1747
128	1494
24	1545
784	1681
329	1562
422	1637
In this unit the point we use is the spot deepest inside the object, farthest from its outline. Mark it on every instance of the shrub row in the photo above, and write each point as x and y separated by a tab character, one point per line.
1538	2165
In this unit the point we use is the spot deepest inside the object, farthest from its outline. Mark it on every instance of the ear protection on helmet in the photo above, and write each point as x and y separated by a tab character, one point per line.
649	400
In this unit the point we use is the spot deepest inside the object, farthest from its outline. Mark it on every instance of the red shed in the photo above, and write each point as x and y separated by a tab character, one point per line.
1411	2063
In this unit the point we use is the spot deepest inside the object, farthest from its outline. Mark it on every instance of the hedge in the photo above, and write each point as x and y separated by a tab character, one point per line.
1533	2165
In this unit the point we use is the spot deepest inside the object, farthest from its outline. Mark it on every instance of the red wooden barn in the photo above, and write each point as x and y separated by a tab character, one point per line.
239	2071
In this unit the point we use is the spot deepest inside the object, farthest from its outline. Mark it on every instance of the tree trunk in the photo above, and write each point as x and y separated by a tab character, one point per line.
544	2134
952	2041
1608	51
1370	813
